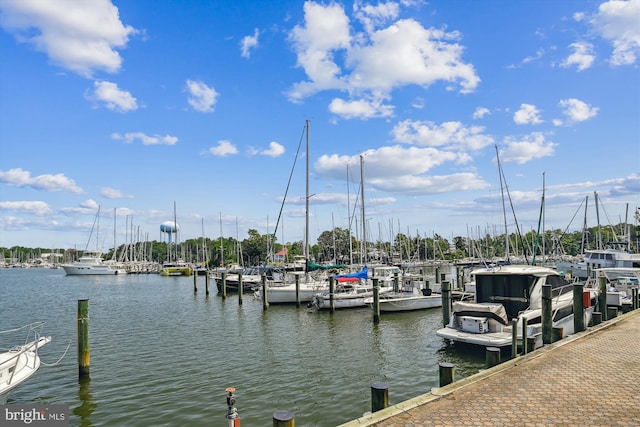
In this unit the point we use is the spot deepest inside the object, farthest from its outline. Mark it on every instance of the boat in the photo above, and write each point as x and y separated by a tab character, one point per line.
620	283
91	263
21	362
177	268
353	289
512	292
409	297
251	278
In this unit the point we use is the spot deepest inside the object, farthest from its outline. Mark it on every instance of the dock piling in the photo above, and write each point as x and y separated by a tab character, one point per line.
265	300
446	373
492	357
379	396
578	308
376	302
446	303
240	288
547	320
283	418
84	352
224	284
195	283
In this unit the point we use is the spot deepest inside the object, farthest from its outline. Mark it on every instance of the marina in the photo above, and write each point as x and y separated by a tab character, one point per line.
162	354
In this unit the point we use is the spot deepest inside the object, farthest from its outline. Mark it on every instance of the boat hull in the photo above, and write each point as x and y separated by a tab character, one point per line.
409	303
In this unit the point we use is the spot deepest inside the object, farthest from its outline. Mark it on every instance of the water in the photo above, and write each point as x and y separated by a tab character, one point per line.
162	355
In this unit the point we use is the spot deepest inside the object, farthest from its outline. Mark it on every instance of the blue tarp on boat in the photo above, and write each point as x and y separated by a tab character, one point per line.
362	274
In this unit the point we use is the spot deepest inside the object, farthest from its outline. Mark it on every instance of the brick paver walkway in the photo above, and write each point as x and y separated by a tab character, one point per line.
591	379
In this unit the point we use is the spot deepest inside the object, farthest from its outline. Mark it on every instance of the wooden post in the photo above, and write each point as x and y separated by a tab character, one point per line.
459	278
206	283
376	302
514	338
446	303
446	372
596	318
240	288
297	290
282	418
547	320
379	396
578	308
224	284
332	302
492	357
265	299
602	297
634	298
524	335
395	282
195	283
557	334
437	275
84	352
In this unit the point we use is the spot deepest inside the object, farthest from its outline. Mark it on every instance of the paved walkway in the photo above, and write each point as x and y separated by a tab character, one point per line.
589	379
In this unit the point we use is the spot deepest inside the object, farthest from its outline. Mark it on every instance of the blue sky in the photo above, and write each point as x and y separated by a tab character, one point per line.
132	106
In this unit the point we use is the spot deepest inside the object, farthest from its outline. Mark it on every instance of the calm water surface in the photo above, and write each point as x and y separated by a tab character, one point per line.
162	355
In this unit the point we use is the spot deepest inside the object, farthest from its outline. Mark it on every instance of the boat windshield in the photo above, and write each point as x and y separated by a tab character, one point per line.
512	291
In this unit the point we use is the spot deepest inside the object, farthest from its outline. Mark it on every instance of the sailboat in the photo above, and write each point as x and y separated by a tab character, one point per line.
91	262
307	286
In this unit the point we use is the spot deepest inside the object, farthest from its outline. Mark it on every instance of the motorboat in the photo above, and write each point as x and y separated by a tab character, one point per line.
21	362
512	292
91	263
407	300
288	291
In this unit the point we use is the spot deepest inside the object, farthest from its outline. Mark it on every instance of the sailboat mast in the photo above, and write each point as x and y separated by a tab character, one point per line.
504	210
364	222
306	210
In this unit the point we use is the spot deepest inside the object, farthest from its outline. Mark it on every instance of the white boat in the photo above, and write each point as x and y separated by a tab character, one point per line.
407	300
620	284
285	292
91	263
512	292
19	363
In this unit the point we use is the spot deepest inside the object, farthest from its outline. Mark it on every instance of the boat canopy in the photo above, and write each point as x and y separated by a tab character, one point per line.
312	266
493	310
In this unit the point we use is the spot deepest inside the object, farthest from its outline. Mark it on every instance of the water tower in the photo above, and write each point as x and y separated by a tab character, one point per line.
171	228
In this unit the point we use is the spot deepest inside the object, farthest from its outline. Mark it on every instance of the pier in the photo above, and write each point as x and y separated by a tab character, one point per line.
590	378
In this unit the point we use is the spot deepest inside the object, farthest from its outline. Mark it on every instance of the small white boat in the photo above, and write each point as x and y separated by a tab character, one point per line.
91	263
407	300
19	363
285	292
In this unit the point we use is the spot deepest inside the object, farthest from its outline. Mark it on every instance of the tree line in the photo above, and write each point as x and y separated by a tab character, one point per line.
339	246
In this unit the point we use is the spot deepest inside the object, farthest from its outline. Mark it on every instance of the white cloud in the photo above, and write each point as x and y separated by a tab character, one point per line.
370	65
533	146
578	111
31	207
224	148
481	112
81	36
248	43
274	150
145	139
360	109
114	98
450	135
401	170
582	56
201	97
47	182
527	114
617	21
111	193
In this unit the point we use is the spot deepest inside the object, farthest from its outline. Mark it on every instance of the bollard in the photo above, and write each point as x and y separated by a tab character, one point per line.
446	372
224	284
297	291
446	303
265	300
578	308
232	412
84	353
602	297
332	302
514	338
596	318
376	302
240	288
282	418
557	334
524	335
492	357
379	396
195	283
547	320
206	283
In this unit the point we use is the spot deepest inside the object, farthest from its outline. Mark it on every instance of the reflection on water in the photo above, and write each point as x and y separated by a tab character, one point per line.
164	355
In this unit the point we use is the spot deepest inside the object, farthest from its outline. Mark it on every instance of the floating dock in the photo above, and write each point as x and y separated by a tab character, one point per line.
590	378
